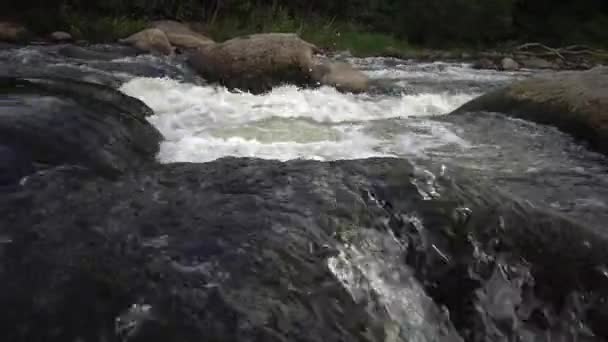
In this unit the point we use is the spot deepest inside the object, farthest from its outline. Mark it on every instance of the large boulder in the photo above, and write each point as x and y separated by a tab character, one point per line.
342	76
150	40
180	35
575	102
13	32
256	62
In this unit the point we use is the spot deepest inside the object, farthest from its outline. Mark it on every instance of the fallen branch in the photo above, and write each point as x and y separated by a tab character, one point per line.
552	51
562	53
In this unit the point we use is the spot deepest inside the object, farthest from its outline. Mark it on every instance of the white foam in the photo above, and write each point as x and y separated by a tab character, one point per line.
325	104
203	123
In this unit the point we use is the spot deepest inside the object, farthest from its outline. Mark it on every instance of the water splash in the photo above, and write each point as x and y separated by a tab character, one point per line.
370	266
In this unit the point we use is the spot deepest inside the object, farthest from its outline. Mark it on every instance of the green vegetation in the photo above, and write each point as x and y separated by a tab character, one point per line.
324	33
363	26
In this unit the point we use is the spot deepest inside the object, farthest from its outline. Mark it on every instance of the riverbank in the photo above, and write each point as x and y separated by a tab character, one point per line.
325	33
329	35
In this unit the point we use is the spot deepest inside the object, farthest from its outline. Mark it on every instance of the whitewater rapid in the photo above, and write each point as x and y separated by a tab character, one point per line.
205	122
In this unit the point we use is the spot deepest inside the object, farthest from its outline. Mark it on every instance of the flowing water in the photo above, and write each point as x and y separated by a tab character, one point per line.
407	119
537	163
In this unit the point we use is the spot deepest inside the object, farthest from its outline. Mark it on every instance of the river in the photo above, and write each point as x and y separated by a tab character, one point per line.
406	119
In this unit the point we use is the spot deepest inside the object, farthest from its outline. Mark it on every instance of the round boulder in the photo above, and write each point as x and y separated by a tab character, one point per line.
256	62
13	32
150	40
575	102
180	35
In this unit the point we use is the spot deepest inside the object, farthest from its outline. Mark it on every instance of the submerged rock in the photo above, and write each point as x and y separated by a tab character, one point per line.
150	40
256	62
575	102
